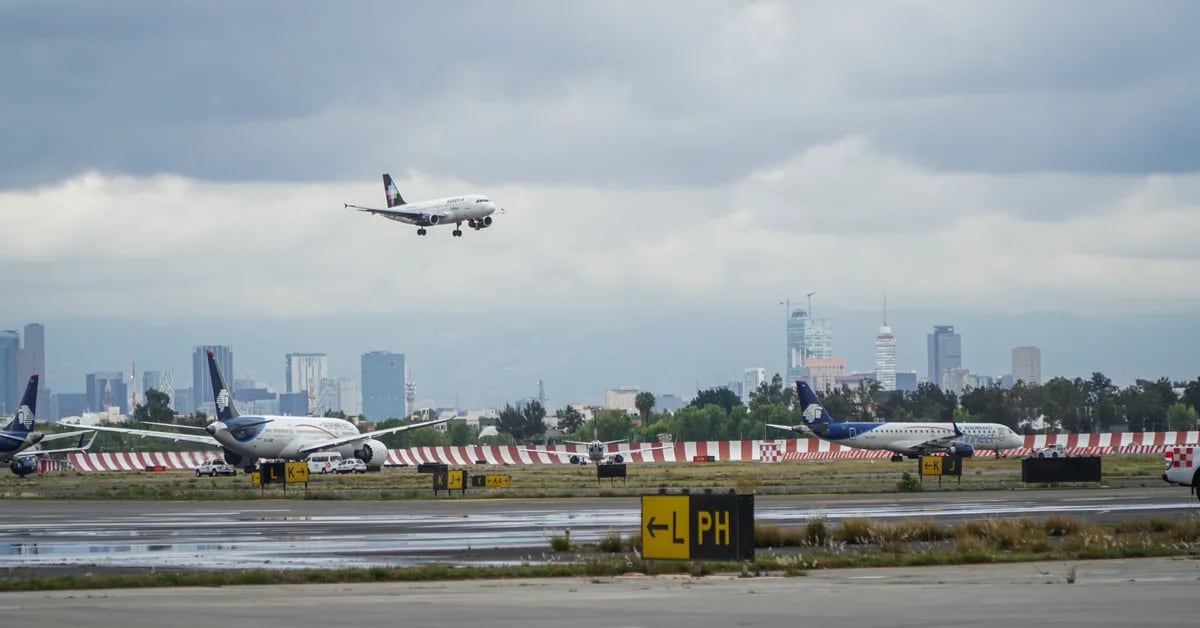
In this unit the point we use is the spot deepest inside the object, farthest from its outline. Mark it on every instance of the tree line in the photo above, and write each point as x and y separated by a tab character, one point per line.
1064	405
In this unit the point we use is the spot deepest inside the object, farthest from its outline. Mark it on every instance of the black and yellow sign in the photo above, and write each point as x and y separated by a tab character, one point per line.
296	472
449	480
272	472
490	480
255	478
708	526
941	465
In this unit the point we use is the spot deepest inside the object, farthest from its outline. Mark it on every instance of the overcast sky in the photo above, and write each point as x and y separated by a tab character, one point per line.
192	158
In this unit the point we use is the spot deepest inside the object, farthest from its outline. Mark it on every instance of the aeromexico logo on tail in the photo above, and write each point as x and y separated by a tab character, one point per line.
25	417
813	413
223	400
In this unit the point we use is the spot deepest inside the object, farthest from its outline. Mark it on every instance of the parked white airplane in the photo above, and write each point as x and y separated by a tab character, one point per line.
597	452
20	445
246	438
474	209
901	438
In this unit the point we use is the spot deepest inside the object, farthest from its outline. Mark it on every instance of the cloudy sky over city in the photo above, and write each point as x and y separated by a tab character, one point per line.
193	158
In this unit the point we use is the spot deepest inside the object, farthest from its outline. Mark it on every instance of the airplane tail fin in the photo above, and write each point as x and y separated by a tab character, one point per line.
221	394
27	410
392	192
810	408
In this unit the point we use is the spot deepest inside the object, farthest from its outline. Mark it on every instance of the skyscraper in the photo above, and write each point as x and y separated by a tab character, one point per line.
303	372
1027	365
32	357
202	391
806	338
945	352
383	376
105	389
10	388
751	380
885	355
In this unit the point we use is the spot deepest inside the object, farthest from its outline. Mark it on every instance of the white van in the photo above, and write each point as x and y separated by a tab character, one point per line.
323	461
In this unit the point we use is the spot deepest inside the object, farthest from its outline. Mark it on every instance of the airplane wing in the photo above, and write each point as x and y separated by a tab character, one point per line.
644	449
64	450
555	453
418	217
941	443
175	436
52	437
337	442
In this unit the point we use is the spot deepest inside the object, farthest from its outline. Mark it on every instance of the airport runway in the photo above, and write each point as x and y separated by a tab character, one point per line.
301	534
1103	594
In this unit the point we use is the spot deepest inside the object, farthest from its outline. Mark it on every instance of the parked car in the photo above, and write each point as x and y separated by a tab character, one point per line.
351	465
215	467
1056	450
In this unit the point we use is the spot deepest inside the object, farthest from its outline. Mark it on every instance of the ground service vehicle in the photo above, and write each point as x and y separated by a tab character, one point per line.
1181	467
215	467
324	462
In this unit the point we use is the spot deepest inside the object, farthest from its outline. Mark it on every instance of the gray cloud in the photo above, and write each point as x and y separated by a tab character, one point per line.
595	93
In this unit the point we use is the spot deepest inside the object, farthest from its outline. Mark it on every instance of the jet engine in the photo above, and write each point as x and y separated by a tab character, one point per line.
962	449
23	466
486	221
233	458
372	451
576	460
618	458
433	219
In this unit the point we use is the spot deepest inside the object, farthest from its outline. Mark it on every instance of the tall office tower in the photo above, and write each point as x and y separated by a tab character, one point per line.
945	352
106	389
32	356
10	389
1027	365
885	355
383	386
806	338
202	391
350	397
303	372
751	379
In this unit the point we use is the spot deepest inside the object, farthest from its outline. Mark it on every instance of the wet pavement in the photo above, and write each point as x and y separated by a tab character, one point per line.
306	534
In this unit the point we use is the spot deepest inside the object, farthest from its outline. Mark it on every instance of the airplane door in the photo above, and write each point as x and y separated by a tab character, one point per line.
853	431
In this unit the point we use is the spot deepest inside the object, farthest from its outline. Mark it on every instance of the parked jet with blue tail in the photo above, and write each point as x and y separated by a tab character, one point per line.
909	439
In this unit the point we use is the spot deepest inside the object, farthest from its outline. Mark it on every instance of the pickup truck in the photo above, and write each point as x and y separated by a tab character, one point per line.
1182	467
214	468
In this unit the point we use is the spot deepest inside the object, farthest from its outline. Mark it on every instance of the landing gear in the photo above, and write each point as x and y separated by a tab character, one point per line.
458	233
421	231
897	458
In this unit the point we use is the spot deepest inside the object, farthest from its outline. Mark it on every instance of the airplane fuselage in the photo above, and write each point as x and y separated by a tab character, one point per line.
901	437
284	436
450	211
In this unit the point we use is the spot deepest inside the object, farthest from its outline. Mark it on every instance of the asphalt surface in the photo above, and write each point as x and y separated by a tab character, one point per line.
81	535
1100	594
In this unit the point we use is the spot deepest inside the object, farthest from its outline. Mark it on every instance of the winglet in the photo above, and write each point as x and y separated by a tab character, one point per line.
957	432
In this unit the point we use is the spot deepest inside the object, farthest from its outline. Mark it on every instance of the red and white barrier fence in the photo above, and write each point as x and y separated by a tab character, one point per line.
774	450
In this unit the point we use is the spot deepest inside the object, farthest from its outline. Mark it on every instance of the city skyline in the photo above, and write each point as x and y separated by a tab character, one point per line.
676	365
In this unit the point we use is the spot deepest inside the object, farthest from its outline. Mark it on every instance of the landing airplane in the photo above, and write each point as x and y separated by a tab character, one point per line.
597	452
901	438
246	438
474	209
20	445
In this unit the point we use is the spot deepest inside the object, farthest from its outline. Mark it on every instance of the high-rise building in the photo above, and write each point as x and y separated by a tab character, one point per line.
304	371
751	380
202	391
350	397
32	356
621	398
806	338
945	352
906	381
885	355
70	404
10	388
107	389
383	377
162	381
1027	365
823	372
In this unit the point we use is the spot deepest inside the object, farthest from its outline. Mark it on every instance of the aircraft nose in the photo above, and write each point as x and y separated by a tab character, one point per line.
214	427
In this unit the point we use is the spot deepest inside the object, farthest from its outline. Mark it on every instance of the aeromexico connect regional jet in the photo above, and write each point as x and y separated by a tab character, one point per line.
474	209
246	438
903	439
20	445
